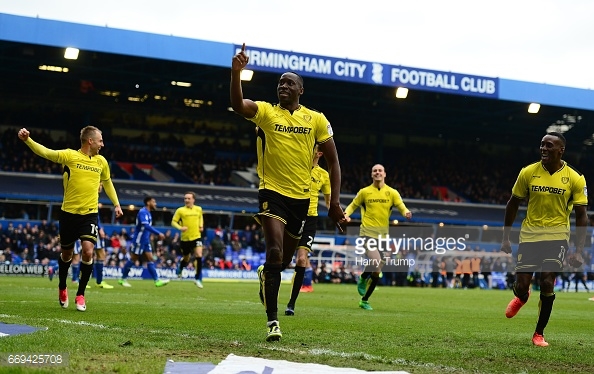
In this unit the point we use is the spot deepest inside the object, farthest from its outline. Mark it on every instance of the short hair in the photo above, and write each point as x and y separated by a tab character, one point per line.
87	132
191	193
147	199
558	135
299	77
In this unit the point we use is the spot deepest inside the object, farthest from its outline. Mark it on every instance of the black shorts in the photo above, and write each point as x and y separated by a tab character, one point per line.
309	233
187	247
77	226
541	256
291	212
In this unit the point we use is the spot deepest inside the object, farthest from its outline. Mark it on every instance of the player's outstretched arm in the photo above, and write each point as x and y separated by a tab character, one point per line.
244	107
37	148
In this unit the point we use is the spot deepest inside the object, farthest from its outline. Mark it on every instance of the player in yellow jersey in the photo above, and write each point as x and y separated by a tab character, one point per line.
320	182
188	219
376	202
553	189
287	134
84	170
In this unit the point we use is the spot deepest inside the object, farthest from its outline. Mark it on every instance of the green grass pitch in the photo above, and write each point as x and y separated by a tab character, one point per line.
420	330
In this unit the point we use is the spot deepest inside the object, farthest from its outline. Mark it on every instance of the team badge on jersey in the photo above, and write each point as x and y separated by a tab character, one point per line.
564	180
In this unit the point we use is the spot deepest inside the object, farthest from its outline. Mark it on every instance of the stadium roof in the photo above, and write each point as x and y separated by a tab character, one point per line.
356	96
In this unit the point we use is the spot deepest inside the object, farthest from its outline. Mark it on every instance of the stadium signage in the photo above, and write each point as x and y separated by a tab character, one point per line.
28	269
370	72
142	273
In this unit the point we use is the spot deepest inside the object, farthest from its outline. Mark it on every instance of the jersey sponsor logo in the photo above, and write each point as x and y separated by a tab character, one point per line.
329	128
292	129
549	189
382	201
586	191
89	168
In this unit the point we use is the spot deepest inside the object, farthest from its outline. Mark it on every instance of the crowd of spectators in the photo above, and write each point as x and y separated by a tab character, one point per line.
145	150
469	173
26	243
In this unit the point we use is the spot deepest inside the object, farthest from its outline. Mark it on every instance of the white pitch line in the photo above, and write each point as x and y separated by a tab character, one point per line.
80	323
95	325
366	357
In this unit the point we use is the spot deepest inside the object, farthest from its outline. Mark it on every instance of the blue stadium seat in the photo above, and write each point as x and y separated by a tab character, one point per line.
138	174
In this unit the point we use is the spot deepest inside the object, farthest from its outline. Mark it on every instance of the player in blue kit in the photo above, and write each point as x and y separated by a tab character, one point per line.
141	243
100	258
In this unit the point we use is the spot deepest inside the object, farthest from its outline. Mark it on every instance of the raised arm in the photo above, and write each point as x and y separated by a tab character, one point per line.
245	107
37	148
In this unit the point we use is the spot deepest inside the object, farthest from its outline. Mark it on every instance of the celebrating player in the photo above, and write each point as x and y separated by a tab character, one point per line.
376	202
188	219
287	134
552	188
84	170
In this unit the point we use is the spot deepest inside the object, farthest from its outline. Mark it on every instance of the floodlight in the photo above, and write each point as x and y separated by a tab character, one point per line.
181	84
401	92
533	108
71	53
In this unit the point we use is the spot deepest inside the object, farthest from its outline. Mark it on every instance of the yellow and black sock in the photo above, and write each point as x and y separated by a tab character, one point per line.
371	287
545	307
86	269
272	281
297	283
63	267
